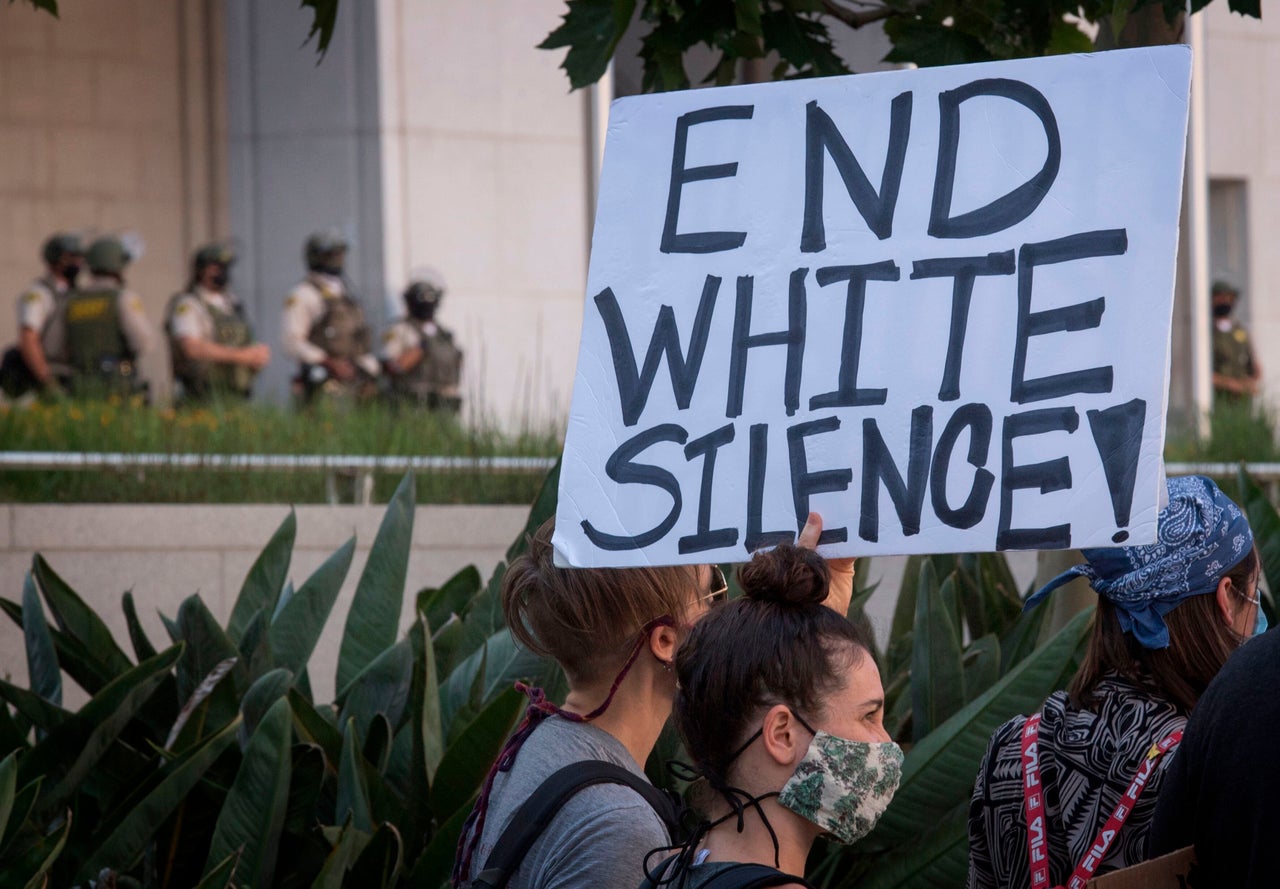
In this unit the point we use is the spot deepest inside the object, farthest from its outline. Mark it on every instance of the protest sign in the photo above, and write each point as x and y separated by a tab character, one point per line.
933	305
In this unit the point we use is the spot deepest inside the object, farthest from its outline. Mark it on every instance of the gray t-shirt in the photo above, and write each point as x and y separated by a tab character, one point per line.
601	835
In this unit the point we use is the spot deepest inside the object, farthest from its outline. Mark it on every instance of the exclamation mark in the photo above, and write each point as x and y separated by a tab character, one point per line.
1117	433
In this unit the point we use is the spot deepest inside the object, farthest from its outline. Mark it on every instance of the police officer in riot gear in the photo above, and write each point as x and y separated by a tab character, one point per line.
420	357
100	329
1237	373
324	327
210	340
29	366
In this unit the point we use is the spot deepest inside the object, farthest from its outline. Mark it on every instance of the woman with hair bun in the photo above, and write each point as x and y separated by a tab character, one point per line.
1069	792
614	632
781	710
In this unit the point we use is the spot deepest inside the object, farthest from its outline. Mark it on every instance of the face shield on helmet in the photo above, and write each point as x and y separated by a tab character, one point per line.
421	299
326	253
108	256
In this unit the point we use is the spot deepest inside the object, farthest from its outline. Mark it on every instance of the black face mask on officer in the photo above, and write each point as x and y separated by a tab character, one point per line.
70	271
1222	310
421	309
219	279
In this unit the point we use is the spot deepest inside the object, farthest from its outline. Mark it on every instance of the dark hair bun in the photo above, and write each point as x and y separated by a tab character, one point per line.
786	574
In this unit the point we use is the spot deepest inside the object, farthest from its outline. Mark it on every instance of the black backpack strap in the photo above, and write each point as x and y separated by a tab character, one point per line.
535	813
751	876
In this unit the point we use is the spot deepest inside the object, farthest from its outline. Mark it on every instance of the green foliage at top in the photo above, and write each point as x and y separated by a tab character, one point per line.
795	35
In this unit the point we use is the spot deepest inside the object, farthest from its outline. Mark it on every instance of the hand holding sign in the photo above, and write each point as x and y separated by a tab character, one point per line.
840	589
898	298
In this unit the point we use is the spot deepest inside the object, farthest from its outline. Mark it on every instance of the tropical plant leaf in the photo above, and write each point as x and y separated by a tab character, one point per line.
938	773
266	578
252	815
494	667
305	788
36	862
23	802
142	646
207	647
467	761
198	696
427	723
270	688
379	863
221	875
78	620
130	836
347	847
315	729
255	646
353	788
383	687
296	629
981	665
1021	639
44	674
12	736
451	597
8	789
544	505
374	618
937	668
940	857
434	865
1265	523
377	743
69	752
35	709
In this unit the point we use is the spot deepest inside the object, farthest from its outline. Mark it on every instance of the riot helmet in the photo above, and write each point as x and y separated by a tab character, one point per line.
63	253
108	256
422	296
325	252
213	255
61	245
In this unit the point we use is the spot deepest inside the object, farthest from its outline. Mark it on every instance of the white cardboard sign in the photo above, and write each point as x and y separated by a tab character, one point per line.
932	305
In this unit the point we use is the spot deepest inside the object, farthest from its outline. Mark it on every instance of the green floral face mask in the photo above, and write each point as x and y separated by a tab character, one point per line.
843	786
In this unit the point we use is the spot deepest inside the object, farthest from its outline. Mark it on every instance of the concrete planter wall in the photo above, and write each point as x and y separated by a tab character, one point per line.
165	553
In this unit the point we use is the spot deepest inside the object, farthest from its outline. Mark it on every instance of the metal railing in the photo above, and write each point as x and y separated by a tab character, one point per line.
360	469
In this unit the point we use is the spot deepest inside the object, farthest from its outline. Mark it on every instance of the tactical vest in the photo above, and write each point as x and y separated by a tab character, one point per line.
434	380
341	331
96	346
1232	356
202	379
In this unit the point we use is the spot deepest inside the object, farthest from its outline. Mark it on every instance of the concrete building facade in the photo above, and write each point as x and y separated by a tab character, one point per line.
432	134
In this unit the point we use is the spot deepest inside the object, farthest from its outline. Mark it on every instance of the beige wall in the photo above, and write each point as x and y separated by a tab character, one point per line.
485	177
111	120
166	553
1243	122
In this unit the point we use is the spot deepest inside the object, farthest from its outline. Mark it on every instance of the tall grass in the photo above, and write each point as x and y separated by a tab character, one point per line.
1238	432
128	426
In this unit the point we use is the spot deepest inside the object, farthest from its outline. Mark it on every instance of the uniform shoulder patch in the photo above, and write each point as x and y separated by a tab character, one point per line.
290	301
1241	336
389	336
31	296
182	307
134	302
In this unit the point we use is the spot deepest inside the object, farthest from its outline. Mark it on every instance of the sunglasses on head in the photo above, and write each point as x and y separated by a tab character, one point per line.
717	588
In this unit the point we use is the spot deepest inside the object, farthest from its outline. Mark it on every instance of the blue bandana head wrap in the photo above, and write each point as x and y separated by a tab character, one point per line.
1201	536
